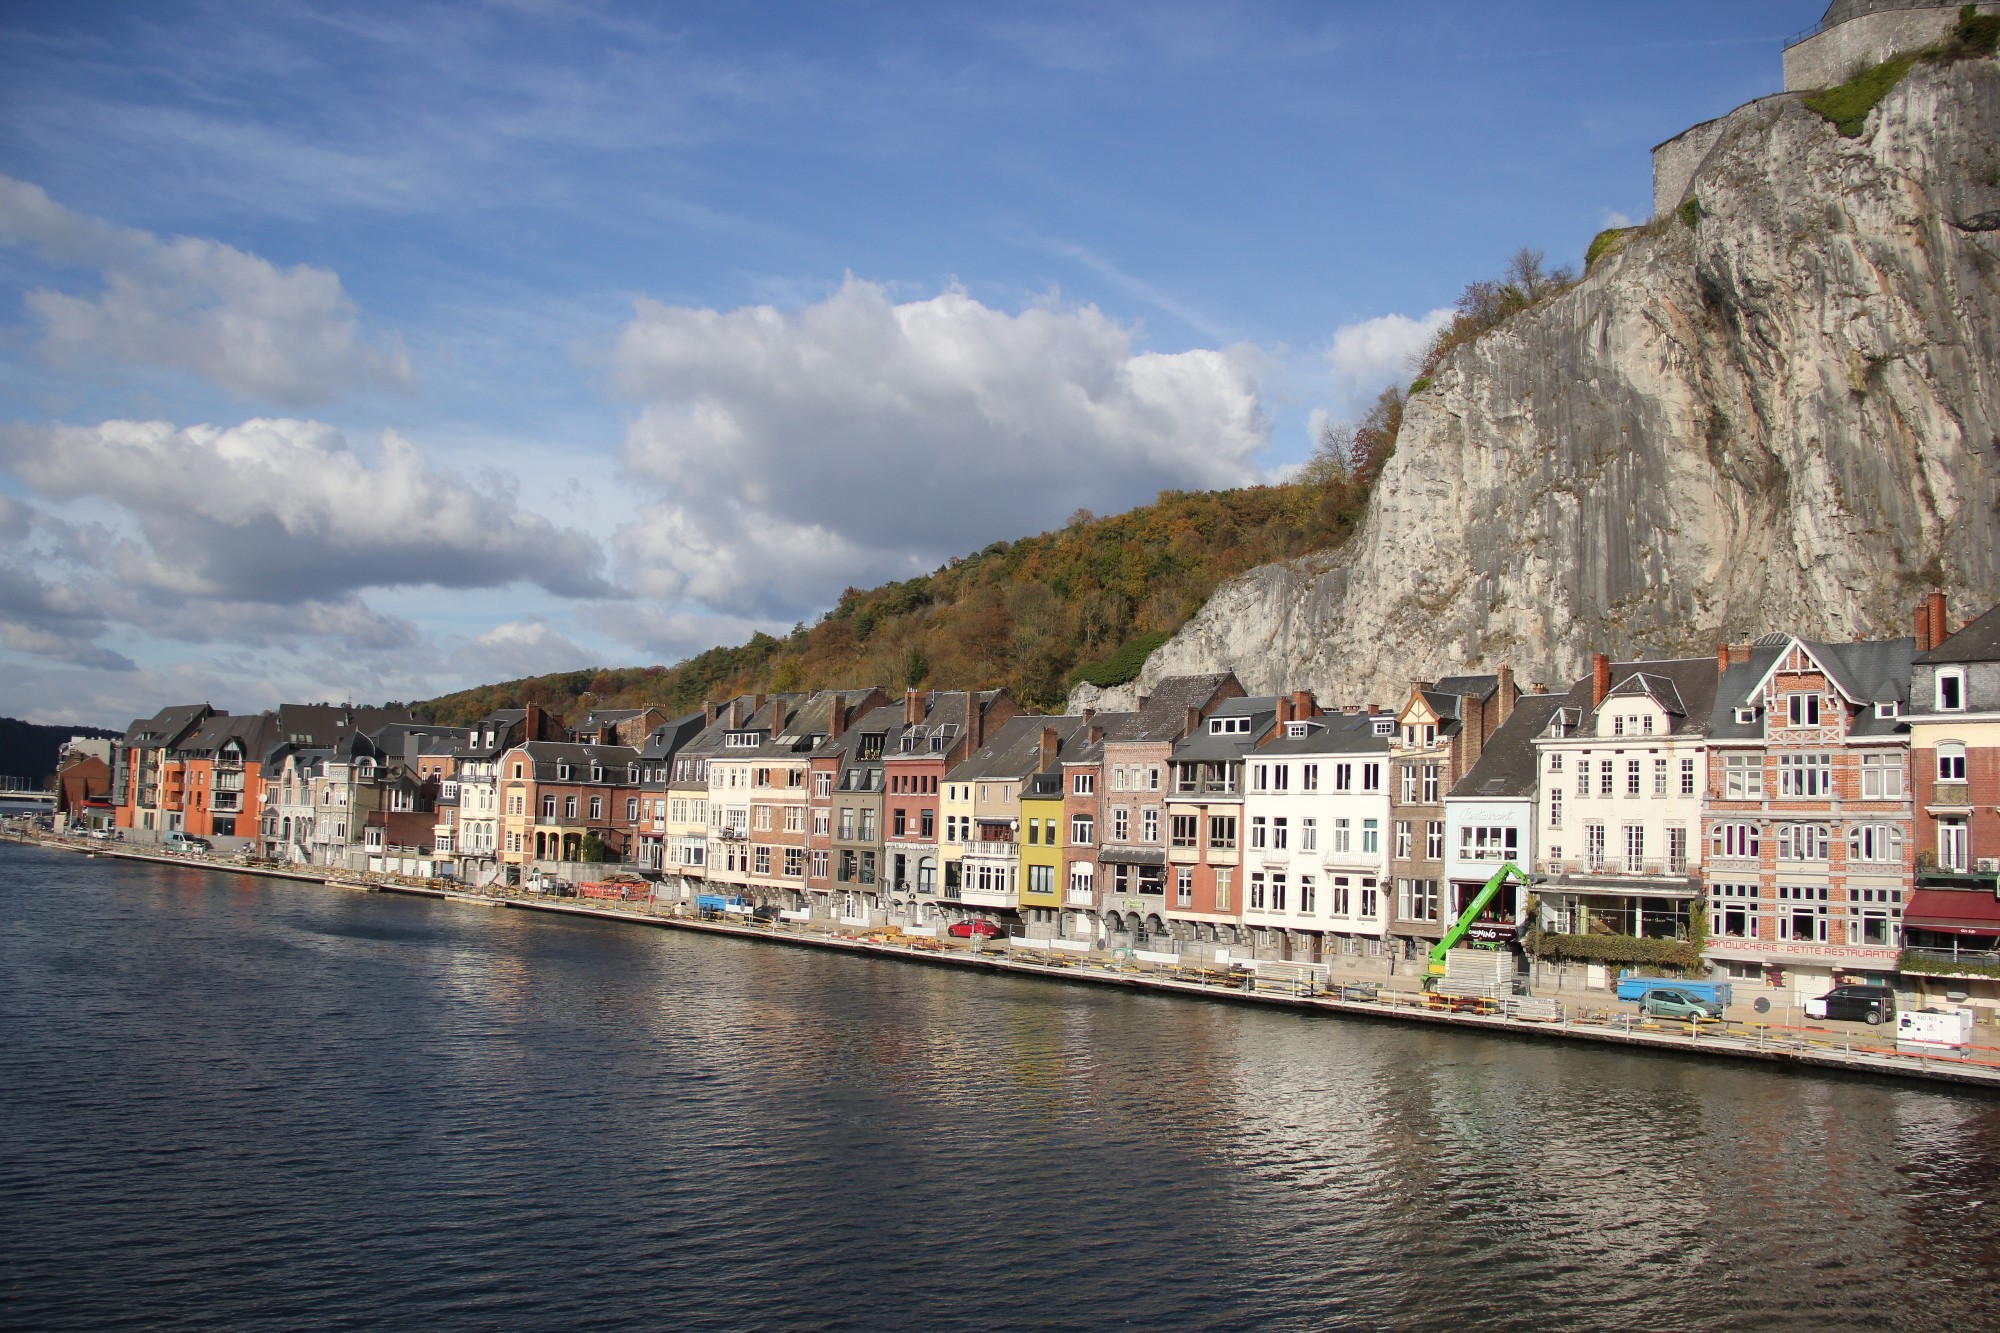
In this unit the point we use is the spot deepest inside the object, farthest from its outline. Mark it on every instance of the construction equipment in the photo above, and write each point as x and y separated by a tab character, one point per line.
1461	927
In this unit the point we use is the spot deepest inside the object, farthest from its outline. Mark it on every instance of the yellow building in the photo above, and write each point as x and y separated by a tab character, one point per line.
1041	845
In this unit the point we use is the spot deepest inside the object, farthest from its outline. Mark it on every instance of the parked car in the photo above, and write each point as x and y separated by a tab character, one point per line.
1665	1002
766	914
974	930
178	841
1872	1005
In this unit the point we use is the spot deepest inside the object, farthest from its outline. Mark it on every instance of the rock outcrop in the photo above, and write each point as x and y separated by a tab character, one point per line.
1778	410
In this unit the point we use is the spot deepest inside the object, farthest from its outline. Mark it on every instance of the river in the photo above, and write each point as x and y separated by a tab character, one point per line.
234	1101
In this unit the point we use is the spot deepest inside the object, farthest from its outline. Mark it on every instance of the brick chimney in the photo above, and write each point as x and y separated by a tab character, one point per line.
756	703
836	718
1046	751
1092	734
1284	709
1507	696
711	709
975	722
1541	687
1721	658
1192	722
1304	705
1923	626
1600	679
913	707
531	725
1374	709
1939	631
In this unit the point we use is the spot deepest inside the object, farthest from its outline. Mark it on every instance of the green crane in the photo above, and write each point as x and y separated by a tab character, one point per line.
1479	903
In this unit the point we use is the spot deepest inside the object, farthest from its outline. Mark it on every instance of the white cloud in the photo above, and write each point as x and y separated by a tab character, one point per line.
1613	218
520	648
283	511
672	636
858	439
289	335
1367	356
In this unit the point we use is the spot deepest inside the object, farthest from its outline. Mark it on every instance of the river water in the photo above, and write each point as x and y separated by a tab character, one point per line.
232	1101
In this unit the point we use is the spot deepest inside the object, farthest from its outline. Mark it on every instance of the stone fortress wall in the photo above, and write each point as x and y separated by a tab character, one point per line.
1851	34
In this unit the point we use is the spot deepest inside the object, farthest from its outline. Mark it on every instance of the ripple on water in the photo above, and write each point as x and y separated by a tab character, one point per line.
241	1102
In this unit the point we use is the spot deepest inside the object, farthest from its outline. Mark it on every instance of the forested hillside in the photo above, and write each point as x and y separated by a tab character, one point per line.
28	750
1088	601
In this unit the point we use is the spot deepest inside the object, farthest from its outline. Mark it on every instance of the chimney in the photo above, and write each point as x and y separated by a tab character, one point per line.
736	712
1507	696
1192	723
1089	713
1923	627
913	707
1938	631
1541	687
1046	753
710	710
1304	705
757	702
1140	706
1721	658
531	724
1283	709
1373	709
1600	679
836	718
1092	734
975	722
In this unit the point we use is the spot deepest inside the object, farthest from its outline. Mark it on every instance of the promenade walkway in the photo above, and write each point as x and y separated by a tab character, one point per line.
1368	991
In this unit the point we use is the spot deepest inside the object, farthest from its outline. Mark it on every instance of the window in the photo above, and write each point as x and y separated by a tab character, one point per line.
1618	725
822	822
927	825
1083	784
1659	777
1121	825
1734	841
1222	833
1308	835
1434	840
1278	834
1080	877
548	807
1746	716
1408	776
760	819
1951	762
1149	824
1881	777
1257	890
1631	777
1042	879
847	824
1687	777
1371	838
867	825
795	862
1417	899
1735	912
1677	851
1635	849
1583	777
1343	777
1951	689
1802	914
569	807
1803	709
1229	726
1402	840
822	785
1277	893
1875	842
1342	831
763	860
1555	807
1951	844
1153	777
1259	835
1430	784
1604	778
1593	846
1223	877
1184	886
631	809
1186	830
1082	829
1488	843
819	865
1743	777
1371	777
1805	775
1118	778
1556	762
795	819
1370	907
1309	777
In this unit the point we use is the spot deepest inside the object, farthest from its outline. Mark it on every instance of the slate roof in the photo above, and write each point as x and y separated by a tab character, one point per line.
254	734
1014	752
1509	766
1204	745
1976	642
1871	671
615	759
1163	716
1087	751
1331	733
1692	681
167	726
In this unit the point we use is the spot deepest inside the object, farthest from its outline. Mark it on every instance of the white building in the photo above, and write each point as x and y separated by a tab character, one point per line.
1489	817
1623	762
1316	813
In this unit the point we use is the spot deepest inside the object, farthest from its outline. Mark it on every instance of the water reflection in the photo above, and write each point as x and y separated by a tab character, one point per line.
301	1104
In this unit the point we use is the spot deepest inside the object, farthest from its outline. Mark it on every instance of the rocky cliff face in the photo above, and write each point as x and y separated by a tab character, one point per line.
1783	416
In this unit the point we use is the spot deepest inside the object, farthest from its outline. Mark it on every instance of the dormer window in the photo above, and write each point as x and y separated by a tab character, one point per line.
596	773
1746	717
1430	733
1229	726
741	740
632	773
1951	689
562	772
1385	726
1803	709
1618	725
1888	709
1298	728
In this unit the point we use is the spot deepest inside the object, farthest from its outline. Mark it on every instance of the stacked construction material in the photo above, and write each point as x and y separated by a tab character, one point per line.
1477	974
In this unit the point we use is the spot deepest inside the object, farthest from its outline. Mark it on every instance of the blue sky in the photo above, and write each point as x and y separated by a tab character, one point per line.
372	350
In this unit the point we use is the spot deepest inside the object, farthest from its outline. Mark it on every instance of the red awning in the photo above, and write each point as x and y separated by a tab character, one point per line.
1959	911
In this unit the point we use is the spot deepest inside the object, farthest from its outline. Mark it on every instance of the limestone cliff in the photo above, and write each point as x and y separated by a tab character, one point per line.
1782	415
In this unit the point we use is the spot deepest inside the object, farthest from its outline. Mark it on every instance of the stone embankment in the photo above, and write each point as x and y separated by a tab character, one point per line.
1392	999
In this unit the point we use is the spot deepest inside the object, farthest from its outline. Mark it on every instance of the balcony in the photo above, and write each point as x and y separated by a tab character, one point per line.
1953	962
229	781
227	802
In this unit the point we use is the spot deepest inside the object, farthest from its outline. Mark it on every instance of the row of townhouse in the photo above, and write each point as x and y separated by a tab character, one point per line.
1813	810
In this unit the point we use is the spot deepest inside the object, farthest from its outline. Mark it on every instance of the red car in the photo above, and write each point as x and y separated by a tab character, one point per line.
971	930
